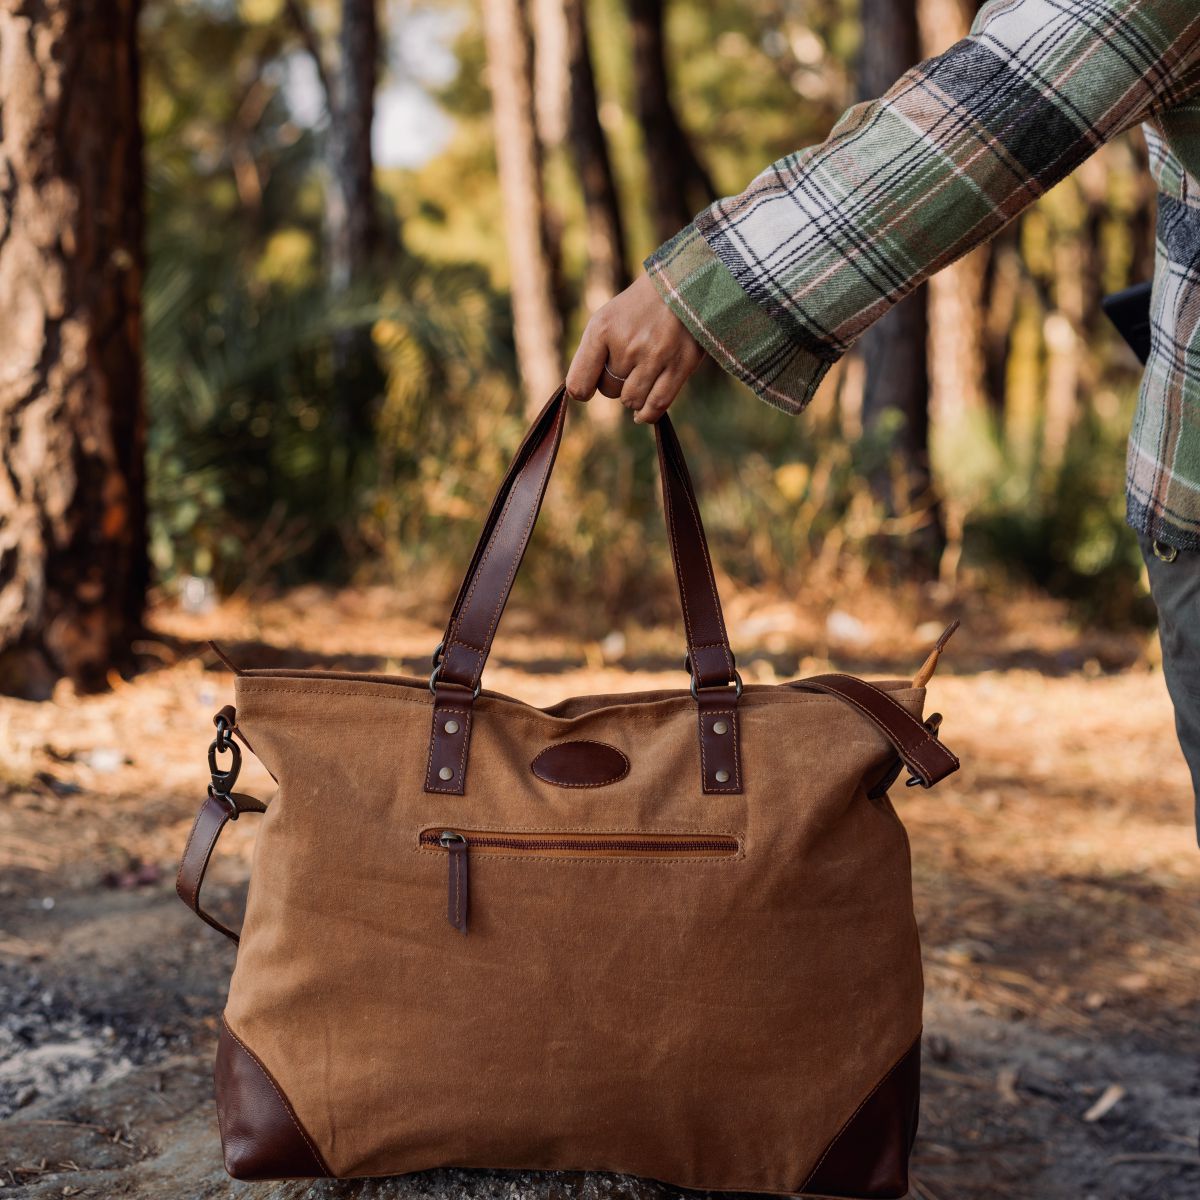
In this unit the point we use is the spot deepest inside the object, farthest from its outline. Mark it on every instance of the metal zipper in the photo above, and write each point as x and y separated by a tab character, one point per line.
459	843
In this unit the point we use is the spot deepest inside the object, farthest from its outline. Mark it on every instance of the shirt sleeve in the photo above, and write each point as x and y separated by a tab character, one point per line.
778	282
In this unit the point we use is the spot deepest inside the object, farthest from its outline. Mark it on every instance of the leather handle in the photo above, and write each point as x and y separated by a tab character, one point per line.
210	820
925	756
501	547
505	537
708	643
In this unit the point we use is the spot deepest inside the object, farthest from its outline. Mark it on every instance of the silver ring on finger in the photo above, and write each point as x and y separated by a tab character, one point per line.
612	374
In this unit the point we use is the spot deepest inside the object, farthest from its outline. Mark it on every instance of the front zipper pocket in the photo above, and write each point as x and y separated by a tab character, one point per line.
460	844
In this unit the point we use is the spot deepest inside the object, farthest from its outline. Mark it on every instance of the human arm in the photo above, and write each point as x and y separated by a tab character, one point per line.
777	283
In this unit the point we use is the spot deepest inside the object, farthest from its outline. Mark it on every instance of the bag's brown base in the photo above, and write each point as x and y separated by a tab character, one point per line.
263	1139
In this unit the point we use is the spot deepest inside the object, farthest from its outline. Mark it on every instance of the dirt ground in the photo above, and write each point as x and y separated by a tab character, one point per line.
1057	878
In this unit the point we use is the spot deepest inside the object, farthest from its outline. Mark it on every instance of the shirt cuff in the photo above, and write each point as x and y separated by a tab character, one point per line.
736	331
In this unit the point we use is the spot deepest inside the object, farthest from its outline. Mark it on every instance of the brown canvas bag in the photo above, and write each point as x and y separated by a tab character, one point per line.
665	933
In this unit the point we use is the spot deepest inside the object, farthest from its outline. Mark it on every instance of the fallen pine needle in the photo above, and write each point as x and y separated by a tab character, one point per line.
1109	1099
1183	1160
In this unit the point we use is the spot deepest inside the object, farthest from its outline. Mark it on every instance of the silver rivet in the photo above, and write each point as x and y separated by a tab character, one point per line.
451	726
447	773
722	776
720	727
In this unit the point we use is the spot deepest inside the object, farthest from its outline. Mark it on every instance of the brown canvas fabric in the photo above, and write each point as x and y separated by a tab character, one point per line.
689	953
708	1022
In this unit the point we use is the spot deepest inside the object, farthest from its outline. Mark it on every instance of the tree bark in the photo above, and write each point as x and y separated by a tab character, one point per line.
352	226
607	272
73	565
896	395
679	184
537	327
350	211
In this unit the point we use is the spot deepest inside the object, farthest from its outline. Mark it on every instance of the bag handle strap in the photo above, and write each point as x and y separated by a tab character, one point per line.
502	543
915	742
710	659
459	659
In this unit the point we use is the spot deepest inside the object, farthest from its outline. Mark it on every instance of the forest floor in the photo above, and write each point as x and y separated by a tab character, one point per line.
1057	886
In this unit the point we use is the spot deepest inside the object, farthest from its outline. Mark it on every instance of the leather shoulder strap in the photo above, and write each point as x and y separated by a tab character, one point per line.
926	757
210	820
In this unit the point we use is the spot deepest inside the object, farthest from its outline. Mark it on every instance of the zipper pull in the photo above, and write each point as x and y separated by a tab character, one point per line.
458	889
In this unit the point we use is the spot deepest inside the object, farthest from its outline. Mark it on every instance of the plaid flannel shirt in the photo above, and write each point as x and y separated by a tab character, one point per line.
777	283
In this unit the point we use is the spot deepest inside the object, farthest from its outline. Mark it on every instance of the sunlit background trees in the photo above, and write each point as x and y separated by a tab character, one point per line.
373	232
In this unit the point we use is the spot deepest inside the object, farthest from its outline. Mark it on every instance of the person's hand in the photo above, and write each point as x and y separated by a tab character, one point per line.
635	349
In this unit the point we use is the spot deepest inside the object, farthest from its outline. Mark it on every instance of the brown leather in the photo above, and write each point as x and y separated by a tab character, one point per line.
868	1160
926	757
538	431
449	740
488	582
708	644
261	1135
202	840
498	555
580	765
225	659
720	749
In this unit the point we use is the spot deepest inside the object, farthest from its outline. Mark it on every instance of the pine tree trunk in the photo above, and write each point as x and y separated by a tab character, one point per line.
536	324
607	273
896	396
353	227
352	224
679	184
73	566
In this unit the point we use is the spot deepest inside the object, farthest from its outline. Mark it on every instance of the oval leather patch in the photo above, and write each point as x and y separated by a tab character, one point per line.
580	764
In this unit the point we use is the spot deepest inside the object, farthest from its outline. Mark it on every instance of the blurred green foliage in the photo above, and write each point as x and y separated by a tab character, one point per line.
253	480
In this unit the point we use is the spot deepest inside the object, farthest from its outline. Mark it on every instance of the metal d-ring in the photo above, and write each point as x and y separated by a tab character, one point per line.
227	800
737	683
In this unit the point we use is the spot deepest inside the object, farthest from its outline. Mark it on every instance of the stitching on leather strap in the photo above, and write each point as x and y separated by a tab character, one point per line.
191	836
503	594
712	583
904	742
430	786
212	842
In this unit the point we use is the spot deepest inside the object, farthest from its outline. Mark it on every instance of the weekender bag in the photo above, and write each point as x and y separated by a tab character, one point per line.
665	933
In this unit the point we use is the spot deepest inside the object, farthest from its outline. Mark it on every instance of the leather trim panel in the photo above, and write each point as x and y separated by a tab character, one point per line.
580	764
260	1133
868	1160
